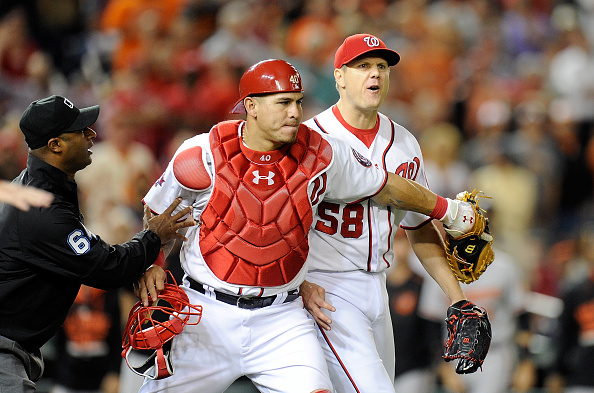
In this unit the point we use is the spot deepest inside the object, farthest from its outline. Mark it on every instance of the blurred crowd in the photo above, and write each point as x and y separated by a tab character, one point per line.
499	93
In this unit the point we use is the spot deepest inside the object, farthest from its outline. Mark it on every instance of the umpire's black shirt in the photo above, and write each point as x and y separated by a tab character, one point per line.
47	253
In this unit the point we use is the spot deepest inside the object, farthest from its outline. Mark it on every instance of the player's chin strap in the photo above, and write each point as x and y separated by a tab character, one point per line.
159	361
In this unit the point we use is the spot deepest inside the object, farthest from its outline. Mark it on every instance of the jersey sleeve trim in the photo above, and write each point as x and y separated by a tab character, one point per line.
315	119
152	211
428	220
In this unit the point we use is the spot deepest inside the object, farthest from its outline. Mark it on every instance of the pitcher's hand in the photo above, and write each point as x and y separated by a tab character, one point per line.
314	299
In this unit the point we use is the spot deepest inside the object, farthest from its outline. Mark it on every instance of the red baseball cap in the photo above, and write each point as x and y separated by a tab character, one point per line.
359	44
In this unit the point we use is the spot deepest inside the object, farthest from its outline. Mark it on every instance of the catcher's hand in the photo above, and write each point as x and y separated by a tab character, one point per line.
469	254
469	336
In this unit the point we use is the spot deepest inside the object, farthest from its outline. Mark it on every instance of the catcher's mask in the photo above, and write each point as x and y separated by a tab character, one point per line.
153	327
267	77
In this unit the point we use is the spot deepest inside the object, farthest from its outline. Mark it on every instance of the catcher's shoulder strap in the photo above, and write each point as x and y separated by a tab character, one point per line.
189	169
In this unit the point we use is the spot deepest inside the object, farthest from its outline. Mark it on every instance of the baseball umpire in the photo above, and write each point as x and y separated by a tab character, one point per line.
46	253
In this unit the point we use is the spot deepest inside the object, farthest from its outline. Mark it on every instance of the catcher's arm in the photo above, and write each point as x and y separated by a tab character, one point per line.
153	280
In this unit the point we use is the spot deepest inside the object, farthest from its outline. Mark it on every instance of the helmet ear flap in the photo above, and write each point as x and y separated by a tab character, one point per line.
153	328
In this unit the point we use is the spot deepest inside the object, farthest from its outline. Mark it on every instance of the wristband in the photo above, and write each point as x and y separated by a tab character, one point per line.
440	209
160	261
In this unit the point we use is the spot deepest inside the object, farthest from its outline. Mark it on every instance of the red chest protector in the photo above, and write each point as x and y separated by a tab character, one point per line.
254	228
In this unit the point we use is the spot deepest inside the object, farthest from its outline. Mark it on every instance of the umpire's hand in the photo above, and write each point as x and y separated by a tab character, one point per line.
166	225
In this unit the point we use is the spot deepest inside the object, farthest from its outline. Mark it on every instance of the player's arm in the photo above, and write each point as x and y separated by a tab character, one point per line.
24	197
428	245
405	194
352	178
187	179
55	240
153	280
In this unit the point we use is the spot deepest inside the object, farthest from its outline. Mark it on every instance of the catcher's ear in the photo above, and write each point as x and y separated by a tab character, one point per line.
251	104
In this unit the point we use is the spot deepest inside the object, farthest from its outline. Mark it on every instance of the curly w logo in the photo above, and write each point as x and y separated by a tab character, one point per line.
371	41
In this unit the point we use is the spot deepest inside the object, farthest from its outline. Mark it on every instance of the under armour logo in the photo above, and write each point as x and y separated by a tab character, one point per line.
372	41
471	219
257	177
68	103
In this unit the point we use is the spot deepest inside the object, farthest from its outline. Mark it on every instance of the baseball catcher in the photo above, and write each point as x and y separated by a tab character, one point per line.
470	254
469	336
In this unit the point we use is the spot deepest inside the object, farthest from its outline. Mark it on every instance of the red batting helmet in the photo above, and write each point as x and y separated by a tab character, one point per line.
268	76
154	326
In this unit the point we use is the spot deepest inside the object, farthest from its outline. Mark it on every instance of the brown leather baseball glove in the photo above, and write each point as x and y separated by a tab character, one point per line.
471	253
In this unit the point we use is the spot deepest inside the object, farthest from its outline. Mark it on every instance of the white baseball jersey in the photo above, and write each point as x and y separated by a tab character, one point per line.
359	236
351	246
348	177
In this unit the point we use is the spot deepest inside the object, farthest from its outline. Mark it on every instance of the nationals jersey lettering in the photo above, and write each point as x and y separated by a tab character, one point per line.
254	227
359	236
409	170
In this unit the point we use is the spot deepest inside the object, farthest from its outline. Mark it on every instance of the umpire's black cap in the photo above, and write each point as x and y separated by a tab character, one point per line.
49	117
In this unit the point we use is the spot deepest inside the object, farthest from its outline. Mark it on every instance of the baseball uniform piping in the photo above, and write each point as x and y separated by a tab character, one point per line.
389	208
339	360
370	247
315	119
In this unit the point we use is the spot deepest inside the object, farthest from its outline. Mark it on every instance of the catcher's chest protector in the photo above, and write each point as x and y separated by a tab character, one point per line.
254	228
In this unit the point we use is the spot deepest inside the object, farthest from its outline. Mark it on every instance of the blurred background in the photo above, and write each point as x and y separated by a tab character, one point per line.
499	93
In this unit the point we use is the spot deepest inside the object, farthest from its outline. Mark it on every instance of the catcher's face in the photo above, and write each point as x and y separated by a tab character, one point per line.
273	120
364	83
